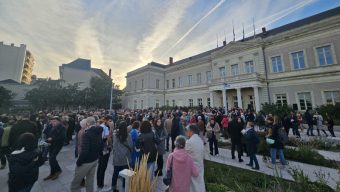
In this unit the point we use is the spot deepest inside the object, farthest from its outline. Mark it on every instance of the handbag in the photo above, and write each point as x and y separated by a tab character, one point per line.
270	141
168	176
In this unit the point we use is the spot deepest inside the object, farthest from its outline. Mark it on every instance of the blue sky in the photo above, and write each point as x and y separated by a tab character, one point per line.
127	34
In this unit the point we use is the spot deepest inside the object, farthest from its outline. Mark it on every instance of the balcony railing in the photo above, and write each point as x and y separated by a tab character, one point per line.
242	77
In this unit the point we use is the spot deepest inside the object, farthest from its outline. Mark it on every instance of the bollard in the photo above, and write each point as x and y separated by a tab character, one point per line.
126	174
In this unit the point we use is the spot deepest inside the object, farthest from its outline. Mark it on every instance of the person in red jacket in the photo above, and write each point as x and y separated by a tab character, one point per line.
224	123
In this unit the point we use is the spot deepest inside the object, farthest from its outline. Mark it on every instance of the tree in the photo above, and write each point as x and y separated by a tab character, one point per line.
5	96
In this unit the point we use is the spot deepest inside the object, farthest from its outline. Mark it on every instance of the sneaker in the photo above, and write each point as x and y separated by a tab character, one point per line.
240	160
49	177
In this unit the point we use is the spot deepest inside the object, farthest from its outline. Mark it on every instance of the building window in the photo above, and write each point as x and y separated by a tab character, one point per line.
157	83
277	64
298	60
135	85
249	67
173	103
199	102
157	104
135	104
142	83
208	102
173	83
191	102
251	100
190	80
198	78
209	76
281	99
180	82
141	104
130	87
167	103
305	100
325	55
235	101
222	72
167	84
234	70
332	97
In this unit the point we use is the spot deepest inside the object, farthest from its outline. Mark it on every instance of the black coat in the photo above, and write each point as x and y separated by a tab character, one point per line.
309	118
147	143
275	137
91	146
234	130
23	169
251	140
58	135
175	130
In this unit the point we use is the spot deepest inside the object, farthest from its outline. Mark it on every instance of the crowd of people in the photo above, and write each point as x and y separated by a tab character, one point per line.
30	140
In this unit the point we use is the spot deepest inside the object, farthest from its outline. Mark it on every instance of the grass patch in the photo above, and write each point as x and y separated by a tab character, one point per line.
219	177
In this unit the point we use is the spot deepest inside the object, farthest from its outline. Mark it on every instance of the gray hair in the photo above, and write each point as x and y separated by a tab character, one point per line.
83	123
180	142
91	121
193	128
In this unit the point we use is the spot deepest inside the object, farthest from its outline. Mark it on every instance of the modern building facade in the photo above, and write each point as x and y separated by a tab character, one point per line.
79	71
16	63
295	64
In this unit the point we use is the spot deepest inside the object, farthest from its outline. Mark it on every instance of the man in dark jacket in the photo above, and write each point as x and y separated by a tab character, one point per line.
174	130
56	140
234	129
90	149
309	121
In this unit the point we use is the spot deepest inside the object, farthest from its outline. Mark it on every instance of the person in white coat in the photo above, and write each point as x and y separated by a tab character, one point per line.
195	147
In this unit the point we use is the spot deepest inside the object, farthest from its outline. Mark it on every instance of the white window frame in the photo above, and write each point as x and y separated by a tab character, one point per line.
199	101
141	104
180	82
223	74
157	83
209	77
324	95
173	103
246	68
276	94
191	102
317	61
298	100
233	72
271	64
292	60
199	78
208	102
173	82
190	80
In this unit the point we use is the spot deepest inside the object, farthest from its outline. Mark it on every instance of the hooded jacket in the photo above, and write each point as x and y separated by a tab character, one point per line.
92	145
183	168
23	169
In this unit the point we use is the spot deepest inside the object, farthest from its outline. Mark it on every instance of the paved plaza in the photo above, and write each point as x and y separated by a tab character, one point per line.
67	162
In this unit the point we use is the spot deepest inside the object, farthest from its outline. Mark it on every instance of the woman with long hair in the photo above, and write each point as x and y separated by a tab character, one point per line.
278	145
122	148
161	135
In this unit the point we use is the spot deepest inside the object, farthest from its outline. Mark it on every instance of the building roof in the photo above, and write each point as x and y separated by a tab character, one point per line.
157	64
9	81
100	72
79	63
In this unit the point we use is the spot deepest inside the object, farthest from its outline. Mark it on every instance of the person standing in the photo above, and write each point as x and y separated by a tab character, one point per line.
201	128
309	121
225	122
134	136
175	129
294	124
56	140
107	125
330	125
91	147
168	125
183	167
213	132
195	147
252	140
319	124
235	127
121	149
278	145
161	135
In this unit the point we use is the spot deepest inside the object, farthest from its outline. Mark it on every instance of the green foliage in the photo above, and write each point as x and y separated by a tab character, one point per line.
315	143
225	178
50	94
332	110
5	97
275	109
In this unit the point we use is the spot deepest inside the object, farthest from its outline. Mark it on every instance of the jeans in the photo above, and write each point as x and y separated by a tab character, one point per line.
310	129
331	130
54	150
253	158
116	170
160	163
296	131
102	165
85	170
213	144
273	152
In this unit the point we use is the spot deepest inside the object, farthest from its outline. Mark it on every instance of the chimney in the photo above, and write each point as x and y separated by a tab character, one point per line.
171	60
110	73
264	31
224	43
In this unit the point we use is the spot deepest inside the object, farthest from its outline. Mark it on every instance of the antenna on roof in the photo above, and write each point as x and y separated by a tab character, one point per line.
254	27
217	40
243	31
233	30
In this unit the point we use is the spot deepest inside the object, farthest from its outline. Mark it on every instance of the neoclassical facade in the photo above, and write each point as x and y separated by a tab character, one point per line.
295	64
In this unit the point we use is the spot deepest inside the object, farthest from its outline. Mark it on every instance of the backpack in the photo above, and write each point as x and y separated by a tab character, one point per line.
282	136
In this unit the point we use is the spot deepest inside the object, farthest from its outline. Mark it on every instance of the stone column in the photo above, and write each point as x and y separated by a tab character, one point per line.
239	98
257	99
211	99
224	100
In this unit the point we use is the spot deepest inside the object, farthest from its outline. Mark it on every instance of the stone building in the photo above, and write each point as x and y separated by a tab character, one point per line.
295	64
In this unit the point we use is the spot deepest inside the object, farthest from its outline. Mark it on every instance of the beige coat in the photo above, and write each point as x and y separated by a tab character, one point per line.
215	129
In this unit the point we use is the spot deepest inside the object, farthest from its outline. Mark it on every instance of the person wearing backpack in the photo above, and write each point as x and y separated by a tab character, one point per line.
252	140
277	134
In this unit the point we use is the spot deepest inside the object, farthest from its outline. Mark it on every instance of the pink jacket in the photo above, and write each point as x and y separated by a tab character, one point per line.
183	169
225	122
